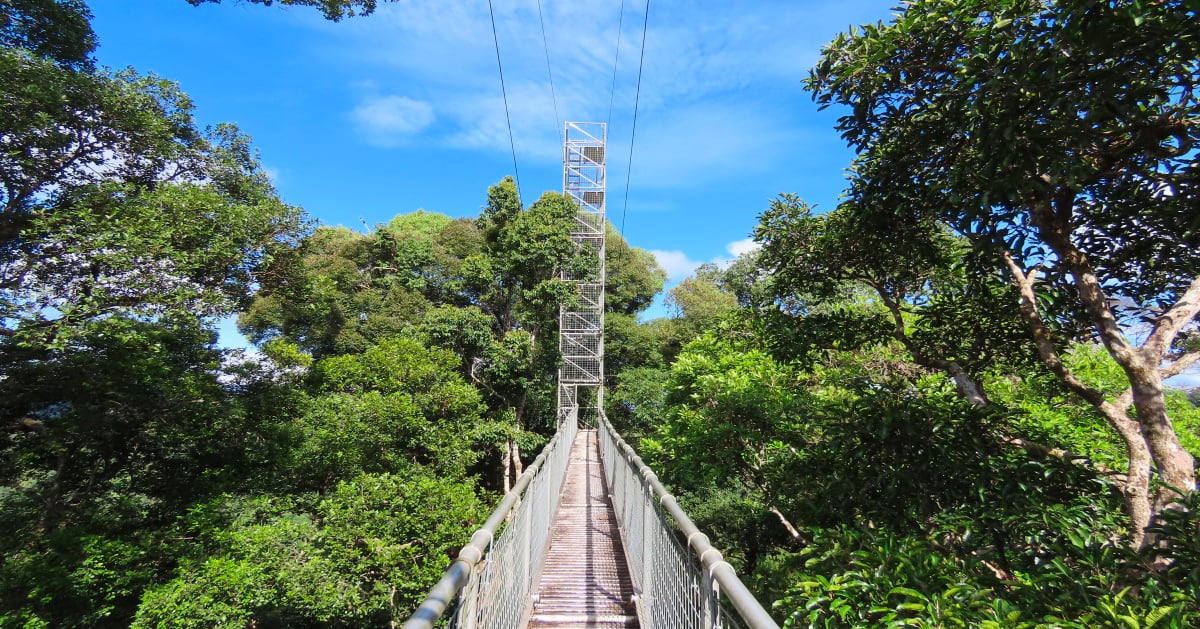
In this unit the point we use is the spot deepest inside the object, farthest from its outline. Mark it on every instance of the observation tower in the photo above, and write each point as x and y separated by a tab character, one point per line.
581	326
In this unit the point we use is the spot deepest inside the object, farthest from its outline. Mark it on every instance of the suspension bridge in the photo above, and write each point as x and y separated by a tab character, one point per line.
588	536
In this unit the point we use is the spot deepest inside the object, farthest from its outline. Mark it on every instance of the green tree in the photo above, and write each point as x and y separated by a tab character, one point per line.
1056	136
112	202
633	277
396	404
342	291
334	10
516	280
698	302
124	229
332	296
58	30
733	416
912	283
365	555
104	444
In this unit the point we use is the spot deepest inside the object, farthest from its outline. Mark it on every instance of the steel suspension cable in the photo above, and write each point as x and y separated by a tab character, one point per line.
504	93
546	47
612	92
636	100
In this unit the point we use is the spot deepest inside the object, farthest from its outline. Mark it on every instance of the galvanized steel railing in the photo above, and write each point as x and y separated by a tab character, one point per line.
680	584
677	588
493	575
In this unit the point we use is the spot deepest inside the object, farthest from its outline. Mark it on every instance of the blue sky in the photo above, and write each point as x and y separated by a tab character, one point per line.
360	120
363	119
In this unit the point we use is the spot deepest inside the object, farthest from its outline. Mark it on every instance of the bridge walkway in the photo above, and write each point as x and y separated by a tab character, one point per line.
585	581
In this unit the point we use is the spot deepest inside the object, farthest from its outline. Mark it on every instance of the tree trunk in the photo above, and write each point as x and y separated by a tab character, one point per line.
1175	465
966	385
515	454
1136	488
506	464
1141	365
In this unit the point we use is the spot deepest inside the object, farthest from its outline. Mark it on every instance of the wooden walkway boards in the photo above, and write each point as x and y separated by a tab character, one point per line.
585	580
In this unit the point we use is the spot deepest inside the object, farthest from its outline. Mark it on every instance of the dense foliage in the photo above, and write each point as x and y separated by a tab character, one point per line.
923	408
1057	138
151	479
943	403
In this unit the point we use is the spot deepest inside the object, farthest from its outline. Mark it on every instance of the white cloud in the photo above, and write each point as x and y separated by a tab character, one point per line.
677	264
738	248
272	173
386	120
699	67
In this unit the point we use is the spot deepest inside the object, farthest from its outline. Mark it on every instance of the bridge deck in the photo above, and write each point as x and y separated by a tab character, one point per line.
585	581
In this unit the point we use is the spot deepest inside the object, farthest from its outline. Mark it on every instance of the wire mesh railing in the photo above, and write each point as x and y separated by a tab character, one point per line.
489	584
677	588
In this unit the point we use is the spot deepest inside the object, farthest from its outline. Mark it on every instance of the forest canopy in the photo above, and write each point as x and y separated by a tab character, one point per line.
945	402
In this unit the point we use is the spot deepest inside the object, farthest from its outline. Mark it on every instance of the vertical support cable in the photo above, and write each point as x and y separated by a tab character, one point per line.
636	99
546	47
612	92
504	93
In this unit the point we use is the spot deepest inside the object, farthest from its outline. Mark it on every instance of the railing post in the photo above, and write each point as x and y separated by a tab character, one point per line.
711	599
649	595
526	546
470	602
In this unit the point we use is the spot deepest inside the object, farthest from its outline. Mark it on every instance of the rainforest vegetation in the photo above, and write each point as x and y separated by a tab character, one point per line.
944	402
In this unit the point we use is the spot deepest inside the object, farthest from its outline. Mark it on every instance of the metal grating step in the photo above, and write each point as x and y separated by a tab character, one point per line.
585	580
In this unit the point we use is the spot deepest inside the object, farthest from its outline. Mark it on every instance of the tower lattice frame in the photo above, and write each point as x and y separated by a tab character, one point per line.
581	326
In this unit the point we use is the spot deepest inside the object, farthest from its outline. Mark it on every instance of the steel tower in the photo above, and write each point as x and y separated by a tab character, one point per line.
581	326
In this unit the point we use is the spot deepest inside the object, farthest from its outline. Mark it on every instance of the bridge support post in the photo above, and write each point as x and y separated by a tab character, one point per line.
527	551
469	614
648	545
711	602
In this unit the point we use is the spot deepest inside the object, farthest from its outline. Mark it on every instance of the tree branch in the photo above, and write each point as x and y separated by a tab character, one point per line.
1173	320
1179	365
1054	226
1041	333
1073	458
791	529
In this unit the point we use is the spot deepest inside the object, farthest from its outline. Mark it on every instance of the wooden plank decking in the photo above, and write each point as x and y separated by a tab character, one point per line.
585	581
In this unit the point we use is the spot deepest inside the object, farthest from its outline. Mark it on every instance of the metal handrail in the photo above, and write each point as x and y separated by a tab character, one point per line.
493	575
677	589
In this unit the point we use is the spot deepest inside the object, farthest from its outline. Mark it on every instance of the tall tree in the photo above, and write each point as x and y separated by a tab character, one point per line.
950	315
333	9
1059	137
58	30
516	280
113	202
124	229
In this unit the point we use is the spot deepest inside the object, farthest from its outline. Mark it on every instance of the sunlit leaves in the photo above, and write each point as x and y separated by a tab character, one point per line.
365	556
985	114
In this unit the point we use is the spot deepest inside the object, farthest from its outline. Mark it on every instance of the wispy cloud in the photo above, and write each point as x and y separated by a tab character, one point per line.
679	265
272	173
741	247
676	263
388	120
698	66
